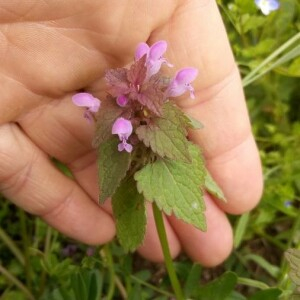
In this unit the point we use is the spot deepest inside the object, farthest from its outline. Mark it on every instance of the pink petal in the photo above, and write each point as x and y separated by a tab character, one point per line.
141	50
86	100
122	127
154	67
122	100
175	90
186	75
128	147
121	147
182	83
157	50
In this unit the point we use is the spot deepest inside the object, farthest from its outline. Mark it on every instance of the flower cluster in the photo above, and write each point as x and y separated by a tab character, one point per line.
140	91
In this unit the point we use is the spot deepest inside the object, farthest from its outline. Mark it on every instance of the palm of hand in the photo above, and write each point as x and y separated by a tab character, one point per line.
50	50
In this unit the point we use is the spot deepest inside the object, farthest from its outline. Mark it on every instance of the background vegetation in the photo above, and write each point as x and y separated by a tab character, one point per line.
36	262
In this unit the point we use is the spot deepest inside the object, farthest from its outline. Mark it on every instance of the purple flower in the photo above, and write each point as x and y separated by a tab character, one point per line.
122	100
123	128
90	251
154	54
182	83
288	203
266	6
87	100
69	250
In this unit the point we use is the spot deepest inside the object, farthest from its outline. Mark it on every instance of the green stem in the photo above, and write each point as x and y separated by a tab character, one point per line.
160	227
16	282
48	241
24	234
154	288
110	266
46	253
252	283
121	287
12	246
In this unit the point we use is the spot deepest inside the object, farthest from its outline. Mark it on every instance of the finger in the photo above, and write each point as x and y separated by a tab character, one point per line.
34	184
54	51
196	37
62	127
16	99
212	247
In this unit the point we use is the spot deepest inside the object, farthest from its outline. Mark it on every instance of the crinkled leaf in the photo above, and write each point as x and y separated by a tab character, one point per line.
193	123
213	188
166	135
106	116
293	258
137	72
112	167
176	187
117	81
130	214
187	122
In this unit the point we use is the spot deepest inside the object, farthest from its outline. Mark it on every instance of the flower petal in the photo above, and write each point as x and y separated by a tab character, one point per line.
182	83
121	147
266	6
122	100
128	147
141	50
122	127
157	50
274	5
86	100
186	75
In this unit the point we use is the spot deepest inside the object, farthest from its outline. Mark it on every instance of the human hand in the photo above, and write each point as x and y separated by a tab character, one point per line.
49	50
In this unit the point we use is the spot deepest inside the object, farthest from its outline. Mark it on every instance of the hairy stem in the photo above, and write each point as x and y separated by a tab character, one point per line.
160	227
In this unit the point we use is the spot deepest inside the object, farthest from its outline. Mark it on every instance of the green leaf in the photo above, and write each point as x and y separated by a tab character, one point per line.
192	280
95	284
166	135
176	187
213	188
240	229
79	286
218	289
234	295
130	214
106	116
269	294
112	167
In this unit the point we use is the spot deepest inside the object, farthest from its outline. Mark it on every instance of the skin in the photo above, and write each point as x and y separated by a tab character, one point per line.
50	49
